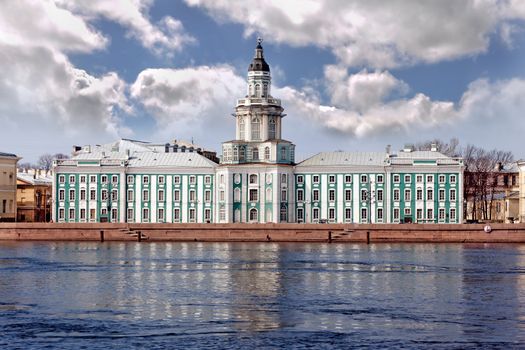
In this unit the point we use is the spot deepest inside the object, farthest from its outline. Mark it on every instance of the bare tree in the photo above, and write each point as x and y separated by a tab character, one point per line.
45	161
450	148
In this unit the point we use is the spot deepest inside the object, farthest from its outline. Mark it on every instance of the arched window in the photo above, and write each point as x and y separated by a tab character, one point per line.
241	153
253	214
267	153
235	153
256	129
255	153
269	217
271	128
237	195
241	128
257	90
265	90
283	153
269	194
253	179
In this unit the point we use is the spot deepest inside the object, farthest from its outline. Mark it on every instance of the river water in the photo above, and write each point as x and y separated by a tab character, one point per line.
261	296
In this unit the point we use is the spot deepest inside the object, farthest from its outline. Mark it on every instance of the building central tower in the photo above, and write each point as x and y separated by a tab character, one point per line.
256	171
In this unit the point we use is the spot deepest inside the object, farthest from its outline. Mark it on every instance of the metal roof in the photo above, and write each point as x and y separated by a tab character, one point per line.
38	180
3	154
178	159
345	158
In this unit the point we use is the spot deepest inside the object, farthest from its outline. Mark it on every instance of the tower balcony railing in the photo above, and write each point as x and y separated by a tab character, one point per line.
257	101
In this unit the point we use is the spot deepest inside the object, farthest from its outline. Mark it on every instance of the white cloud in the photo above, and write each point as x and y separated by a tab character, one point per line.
164	37
380	34
192	101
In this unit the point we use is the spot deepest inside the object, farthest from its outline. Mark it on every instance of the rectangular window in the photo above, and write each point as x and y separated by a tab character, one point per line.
83	179
114	195
408	179
429	195
331	214
300	179
283	179
441	214
61	179
396	179
130	196
92	214
92	195
61	195
407	211
71	214
193	196
221	196
145	181
331	179
430	214
176	180
396	214
348	179
192	214
408	195
82	194
441	179
193	180
379	179
71	179
452	179
364	214
130	215
453	214
300	214
93	178
315	179
348	214
331	195
114	217
283	217
379	214
396	194
176	214
176	195
253	179
348	195
452	195
284	197
364	179
83	214
315	195
131	179
160	214
160	196
145	214
379	195
114	179
253	195
300	195
441	194
315	214
364	195
430	178
419	178
419	194
207	180
104	179
61	213
104	195
71	195
207	196
207	215
419	214
145	195
222	214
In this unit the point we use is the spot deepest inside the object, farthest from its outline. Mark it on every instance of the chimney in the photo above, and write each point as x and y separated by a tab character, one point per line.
167	148
433	147
388	149
175	148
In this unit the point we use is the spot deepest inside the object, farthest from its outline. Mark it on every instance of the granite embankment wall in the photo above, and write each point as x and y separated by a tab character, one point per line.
471	233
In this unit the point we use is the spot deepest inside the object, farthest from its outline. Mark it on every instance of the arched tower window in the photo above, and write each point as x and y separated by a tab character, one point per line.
255	153
253	214
241	153
235	153
271	128
256	129
265	90
283	153
241	128
267	153
257	92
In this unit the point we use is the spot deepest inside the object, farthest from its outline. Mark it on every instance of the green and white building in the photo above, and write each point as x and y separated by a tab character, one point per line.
257	179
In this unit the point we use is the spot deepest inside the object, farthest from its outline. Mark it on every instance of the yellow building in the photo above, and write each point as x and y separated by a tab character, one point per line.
33	195
8	163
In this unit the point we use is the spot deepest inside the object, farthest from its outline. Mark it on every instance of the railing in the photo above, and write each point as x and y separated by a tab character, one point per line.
263	101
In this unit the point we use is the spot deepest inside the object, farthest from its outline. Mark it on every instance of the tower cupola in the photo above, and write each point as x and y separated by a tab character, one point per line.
258	62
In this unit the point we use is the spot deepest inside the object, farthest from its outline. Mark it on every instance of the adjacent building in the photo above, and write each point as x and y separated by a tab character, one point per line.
33	195
257	179
8	163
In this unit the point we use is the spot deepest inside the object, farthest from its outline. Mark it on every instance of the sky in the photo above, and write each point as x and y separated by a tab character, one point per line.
352	75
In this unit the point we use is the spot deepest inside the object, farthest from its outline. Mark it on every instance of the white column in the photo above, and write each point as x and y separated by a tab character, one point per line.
138	198
308	198
122	196
200	198
357	198
168	211
153	197
185	199
324	196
